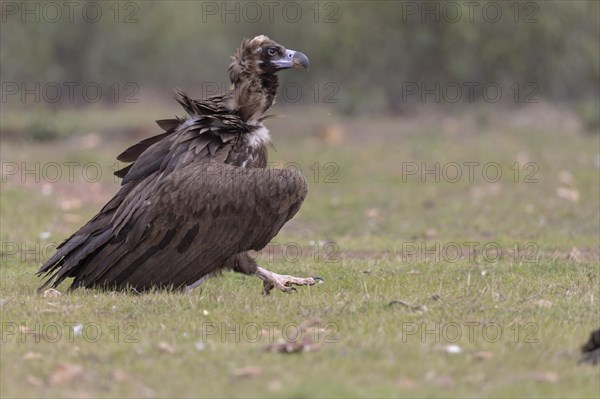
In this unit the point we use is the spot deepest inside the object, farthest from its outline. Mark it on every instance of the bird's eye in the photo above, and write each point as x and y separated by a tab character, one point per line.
271	51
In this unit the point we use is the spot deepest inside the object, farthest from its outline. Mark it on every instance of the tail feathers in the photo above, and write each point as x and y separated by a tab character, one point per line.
64	249
72	256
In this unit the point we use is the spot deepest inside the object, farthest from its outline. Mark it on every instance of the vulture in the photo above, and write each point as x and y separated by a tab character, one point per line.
195	199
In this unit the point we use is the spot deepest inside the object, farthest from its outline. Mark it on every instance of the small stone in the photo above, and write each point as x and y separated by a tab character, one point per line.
165	347
247	372
51	293
78	329
65	373
200	346
482	355
32	356
542	303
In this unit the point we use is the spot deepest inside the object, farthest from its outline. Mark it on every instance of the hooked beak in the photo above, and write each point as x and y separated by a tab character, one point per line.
292	59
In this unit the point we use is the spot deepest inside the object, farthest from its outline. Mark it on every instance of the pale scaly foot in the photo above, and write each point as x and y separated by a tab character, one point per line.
282	282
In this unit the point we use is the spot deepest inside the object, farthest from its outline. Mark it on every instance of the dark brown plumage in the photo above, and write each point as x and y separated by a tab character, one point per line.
591	349
197	197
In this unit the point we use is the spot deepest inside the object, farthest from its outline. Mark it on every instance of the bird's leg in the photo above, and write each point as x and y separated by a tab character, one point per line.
282	282
244	263
196	284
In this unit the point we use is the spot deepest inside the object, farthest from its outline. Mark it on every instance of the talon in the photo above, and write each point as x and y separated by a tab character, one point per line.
267	287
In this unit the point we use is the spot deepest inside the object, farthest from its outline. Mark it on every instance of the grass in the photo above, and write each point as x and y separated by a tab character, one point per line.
386	313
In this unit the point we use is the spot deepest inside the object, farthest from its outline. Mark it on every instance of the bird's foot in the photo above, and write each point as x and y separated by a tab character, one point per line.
282	282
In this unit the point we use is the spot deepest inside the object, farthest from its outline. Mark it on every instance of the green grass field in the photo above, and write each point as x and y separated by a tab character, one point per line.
479	278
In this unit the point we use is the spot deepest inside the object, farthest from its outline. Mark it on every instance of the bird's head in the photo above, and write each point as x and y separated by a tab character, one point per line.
263	56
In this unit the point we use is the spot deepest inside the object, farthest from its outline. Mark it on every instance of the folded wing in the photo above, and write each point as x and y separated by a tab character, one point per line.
188	224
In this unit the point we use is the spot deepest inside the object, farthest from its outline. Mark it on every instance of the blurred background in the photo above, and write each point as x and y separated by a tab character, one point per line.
366	58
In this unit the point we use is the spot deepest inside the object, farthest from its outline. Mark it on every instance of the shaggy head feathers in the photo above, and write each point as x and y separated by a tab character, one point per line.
252	58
